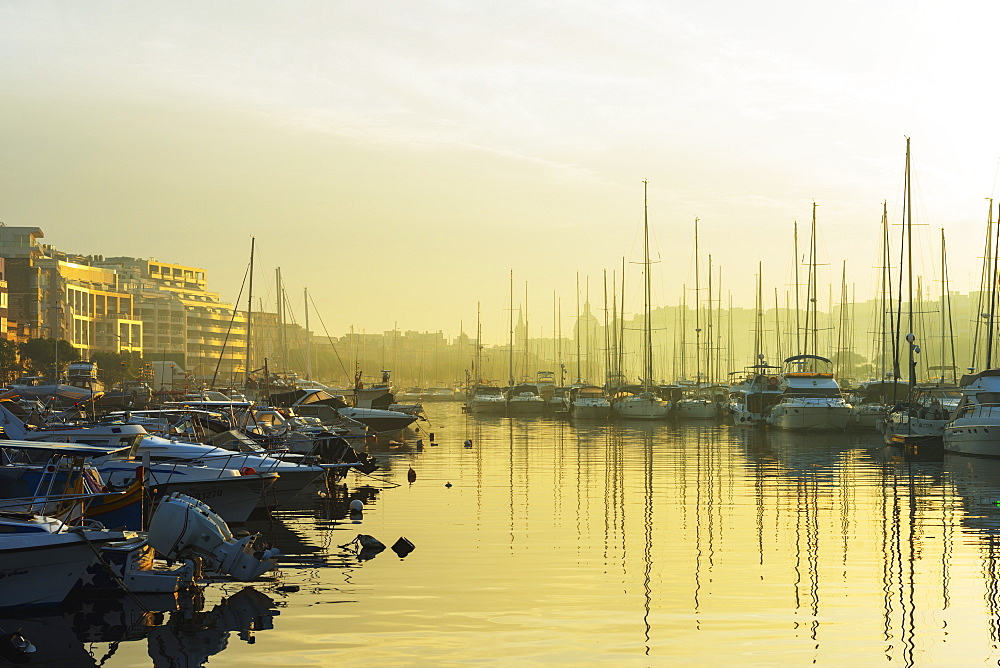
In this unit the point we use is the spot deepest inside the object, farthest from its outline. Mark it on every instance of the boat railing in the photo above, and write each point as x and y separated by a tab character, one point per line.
980	410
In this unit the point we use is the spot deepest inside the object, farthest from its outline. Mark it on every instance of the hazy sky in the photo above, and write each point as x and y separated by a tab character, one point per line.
399	158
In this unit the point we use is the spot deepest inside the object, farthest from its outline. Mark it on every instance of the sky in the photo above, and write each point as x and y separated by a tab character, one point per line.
400	159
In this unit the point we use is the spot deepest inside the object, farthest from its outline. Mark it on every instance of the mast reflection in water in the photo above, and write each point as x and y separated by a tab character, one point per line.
637	544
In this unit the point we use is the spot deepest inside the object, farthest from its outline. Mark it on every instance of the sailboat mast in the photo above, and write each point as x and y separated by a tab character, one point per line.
526	357
510	333
684	308
607	339
648	331
758	313
249	311
812	291
798	302
577	334
697	310
909	268
305	296
710	339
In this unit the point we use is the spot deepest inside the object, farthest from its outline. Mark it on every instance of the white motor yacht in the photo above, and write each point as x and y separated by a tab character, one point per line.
811	399
974	429
487	400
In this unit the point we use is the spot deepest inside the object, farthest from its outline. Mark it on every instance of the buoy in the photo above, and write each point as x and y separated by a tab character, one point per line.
447	484
364	540
468	443
432	437
357	505
411	475
402	547
433	445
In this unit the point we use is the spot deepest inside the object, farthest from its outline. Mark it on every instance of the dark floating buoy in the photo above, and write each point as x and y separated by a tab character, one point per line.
402	547
447	484
288	588
468	443
431	435
367	547
411	475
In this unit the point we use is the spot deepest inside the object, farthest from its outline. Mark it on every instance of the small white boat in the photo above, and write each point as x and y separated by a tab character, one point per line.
925	412
635	403
524	399
487	400
588	402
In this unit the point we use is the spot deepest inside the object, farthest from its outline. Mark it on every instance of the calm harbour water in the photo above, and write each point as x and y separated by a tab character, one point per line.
593	543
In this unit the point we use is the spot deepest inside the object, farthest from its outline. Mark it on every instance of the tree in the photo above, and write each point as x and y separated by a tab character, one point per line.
10	367
116	368
42	354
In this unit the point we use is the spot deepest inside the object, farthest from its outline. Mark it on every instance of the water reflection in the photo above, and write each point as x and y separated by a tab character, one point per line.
178	630
628	544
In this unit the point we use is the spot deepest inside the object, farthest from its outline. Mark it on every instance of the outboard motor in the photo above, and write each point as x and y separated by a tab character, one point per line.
184	527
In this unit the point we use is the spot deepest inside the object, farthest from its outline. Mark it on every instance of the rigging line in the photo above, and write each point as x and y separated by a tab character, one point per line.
225	341
335	352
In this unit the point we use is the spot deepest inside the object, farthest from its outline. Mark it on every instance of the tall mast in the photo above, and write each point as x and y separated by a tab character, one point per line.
249	310
281	318
607	339
710	334
526	331
947	300
798	328
993	292
684	308
777	327
577	336
305	295
648	327
510	334
909	268
758	329
813	293
697	310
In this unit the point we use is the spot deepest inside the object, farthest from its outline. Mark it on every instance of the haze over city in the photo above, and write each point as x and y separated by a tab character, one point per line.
400	159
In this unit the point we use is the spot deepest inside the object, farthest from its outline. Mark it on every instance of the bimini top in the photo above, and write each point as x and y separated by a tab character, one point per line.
67	449
806	357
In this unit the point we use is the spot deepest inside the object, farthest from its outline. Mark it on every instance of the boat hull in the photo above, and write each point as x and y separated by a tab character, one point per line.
979	436
44	574
588	411
810	418
696	410
638	408
481	407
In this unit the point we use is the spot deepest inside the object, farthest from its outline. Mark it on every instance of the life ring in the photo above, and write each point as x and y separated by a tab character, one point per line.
773	380
248	470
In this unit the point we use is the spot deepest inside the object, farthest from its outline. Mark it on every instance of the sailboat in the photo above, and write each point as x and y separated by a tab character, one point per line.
642	402
927	409
752	396
811	398
696	403
484	398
